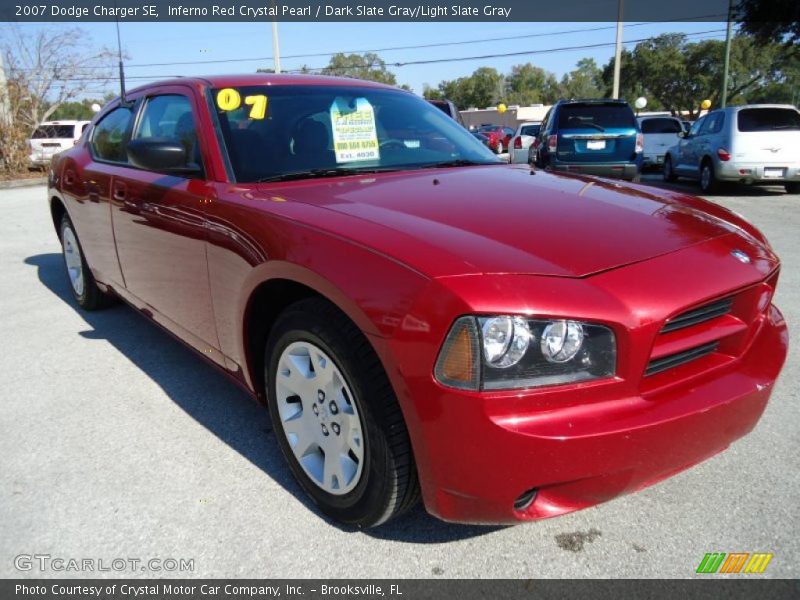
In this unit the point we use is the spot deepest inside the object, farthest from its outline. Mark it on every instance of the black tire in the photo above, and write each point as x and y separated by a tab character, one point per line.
709	183
91	297
388	484
668	172
793	187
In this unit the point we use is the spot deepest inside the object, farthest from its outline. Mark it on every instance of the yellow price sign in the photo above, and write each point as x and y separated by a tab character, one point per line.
229	99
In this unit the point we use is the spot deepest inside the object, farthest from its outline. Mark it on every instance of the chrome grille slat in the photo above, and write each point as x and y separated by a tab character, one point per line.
673	360
699	315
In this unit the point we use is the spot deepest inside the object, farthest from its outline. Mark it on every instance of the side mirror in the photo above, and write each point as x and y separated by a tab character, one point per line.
164	155
683	134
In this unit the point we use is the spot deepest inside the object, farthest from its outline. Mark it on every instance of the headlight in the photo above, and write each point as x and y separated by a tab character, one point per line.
508	352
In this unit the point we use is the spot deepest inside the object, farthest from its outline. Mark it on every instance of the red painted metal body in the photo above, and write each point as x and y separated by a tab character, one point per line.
405	254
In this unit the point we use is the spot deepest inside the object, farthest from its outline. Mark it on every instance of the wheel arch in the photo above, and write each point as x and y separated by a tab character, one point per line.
270	296
57	211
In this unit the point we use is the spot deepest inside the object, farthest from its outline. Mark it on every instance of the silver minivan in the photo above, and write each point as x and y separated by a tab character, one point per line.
746	144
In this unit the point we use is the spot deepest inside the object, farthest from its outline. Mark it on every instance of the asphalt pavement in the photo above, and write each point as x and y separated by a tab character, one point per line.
117	442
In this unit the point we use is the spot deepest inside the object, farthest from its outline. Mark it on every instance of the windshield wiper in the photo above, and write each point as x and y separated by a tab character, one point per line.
595	125
314	173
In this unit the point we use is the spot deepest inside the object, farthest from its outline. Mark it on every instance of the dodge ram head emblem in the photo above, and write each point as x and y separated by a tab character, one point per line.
740	256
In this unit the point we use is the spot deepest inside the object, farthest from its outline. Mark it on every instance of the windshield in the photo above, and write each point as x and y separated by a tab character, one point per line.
768	119
54	131
284	132
661	126
596	116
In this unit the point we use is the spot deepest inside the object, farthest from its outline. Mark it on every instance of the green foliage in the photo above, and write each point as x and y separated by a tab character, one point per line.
529	84
770	21
81	111
368	66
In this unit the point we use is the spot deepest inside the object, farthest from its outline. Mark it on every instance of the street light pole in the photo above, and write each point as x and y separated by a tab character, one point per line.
724	100
618	51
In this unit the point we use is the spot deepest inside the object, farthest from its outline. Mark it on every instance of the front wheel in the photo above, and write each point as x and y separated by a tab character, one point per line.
669	171
336	417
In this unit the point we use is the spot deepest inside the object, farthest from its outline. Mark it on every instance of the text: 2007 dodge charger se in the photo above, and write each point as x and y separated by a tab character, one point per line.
418	317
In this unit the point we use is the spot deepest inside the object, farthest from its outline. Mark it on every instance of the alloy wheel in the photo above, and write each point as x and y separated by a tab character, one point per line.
72	258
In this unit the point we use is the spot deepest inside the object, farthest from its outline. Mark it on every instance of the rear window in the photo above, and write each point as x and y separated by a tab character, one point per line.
661	126
54	131
530	130
768	119
598	117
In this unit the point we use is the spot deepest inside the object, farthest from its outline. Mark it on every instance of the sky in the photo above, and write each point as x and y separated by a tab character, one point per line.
147	43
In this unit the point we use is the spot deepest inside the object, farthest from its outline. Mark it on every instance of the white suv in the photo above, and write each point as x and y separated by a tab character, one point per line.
52	137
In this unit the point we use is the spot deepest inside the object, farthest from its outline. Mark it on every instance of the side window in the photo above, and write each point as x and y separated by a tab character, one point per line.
545	123
108	137
695	130
719	121
709	124
170	117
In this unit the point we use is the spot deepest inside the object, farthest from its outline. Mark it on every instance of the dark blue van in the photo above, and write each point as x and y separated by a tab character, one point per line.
600	137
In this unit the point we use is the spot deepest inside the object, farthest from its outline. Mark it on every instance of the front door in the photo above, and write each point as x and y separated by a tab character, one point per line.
159	225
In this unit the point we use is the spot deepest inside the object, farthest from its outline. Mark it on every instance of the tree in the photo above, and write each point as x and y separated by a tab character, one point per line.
485	87
529	84
49	68
758	18
368	66
585	81
45	70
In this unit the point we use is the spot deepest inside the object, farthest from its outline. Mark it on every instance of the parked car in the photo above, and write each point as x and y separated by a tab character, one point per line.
52	137
599	137
448	108
499	137
483	139
660	134
521	141
417	315
749	144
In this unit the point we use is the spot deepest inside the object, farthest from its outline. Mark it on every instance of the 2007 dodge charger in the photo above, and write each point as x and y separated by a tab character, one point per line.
418	317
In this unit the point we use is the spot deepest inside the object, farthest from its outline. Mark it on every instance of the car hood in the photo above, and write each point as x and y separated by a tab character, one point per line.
505	219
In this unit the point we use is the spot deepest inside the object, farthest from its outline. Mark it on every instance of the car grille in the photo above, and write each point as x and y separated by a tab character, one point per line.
699	315
711	334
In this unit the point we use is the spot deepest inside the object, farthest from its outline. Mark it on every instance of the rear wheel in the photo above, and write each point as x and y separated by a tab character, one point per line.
336	417
669	172
792	187
84	288
708	179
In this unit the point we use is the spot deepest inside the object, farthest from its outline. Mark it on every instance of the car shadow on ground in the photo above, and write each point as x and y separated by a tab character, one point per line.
220	405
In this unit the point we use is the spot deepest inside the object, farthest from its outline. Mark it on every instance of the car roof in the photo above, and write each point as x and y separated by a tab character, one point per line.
644	118
592	101
251	79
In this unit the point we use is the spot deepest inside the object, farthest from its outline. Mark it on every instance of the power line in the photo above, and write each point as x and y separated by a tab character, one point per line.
392	48
425	61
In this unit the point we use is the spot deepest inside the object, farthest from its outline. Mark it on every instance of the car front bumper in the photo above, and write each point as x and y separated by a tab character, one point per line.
482	459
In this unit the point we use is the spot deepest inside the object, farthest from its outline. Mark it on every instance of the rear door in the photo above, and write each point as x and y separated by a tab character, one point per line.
767	135
688	161
159	225
596	132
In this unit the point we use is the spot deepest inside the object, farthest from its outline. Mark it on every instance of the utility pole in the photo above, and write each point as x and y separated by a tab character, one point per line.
724	94
618	51
276	53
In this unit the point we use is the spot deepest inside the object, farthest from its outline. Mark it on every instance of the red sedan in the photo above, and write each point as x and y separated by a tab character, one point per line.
499	137
417	316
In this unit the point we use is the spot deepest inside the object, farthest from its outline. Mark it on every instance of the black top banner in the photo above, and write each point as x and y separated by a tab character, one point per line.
363	10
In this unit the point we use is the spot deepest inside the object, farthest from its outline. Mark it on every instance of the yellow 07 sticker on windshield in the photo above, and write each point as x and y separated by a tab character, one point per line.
229	99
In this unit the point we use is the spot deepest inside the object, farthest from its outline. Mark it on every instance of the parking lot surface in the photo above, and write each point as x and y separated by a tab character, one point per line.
116	441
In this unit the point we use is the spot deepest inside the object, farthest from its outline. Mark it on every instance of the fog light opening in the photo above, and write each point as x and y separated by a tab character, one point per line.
525	500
